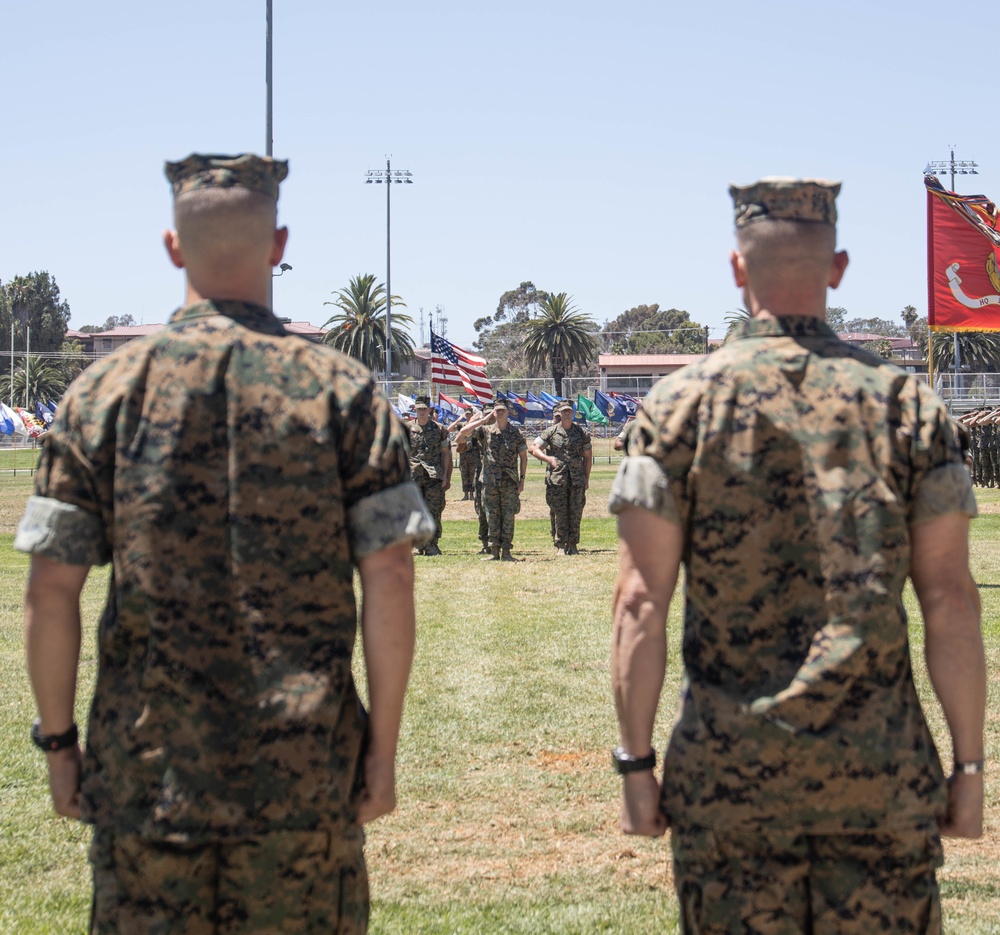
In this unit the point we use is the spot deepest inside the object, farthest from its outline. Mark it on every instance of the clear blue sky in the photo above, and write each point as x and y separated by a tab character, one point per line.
584	146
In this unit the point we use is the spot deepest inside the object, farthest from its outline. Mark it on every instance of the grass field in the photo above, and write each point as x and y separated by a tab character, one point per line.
508	813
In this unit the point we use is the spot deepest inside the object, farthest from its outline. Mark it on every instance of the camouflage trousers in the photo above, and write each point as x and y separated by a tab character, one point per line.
788	883
566	502
484	526
283	882
501	503
432	490
468	464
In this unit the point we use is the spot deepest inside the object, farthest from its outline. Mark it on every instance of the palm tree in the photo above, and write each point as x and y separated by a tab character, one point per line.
45	382
735	318
978	351
560	336
358	329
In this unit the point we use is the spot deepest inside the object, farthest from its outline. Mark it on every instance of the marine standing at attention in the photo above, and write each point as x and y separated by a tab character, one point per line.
505	465
430	462
566	451
234	475
799	480
470	460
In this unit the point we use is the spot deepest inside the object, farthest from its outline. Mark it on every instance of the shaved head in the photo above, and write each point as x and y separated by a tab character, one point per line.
786	266
786	249
226	239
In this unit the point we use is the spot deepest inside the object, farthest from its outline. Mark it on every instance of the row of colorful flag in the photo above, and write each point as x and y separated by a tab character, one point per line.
603	409
17	421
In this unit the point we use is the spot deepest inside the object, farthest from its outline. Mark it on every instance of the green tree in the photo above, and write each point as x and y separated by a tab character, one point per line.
916	328
835	317
358	329
978	351
560	337
44	380
72	362
648	329
879	326
33	302
500	337
881	347
735	318
111	322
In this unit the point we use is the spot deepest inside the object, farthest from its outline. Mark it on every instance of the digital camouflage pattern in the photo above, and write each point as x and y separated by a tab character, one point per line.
427	446
794	464
258	173
234	474
782	882
501	478
468	463
283	882
786	199
565	485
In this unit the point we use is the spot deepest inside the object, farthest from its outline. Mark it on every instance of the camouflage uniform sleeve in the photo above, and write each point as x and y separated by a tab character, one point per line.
941	482
63	519
654	475
384	506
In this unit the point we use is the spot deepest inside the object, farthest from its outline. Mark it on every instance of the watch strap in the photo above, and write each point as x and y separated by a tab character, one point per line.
969	767
50	743
627	763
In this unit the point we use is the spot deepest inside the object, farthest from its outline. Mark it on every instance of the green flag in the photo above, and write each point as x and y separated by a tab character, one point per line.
590	412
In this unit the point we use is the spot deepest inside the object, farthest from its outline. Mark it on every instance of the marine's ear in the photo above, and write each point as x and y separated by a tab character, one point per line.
840	260
173	244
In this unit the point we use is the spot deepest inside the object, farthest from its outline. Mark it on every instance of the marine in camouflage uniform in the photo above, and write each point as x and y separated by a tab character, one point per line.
470	461
430	462
234	475
484	525
505	463
798	480
566	450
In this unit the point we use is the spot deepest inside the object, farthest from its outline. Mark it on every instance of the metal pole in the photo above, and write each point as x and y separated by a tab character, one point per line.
269	132
27	361
954	337
12	356
269	140
388	284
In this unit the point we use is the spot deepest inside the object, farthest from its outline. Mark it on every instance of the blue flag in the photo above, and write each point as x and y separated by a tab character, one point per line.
43	412
630	403
549	399
612	408
6	422
536	408
515	409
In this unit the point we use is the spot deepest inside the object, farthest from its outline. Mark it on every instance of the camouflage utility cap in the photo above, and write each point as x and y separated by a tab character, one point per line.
422	402
562	407
779	198
257	173
500	404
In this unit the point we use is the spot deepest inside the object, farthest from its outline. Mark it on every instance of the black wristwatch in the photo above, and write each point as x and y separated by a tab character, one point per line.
626	763
50	743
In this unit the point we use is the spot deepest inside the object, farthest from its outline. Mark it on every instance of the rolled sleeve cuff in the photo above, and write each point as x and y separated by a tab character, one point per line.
641	482
62	532
396	514
947	489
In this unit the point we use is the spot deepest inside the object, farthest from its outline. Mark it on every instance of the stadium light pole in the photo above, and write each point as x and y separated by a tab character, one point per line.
961	167
379	177
269	118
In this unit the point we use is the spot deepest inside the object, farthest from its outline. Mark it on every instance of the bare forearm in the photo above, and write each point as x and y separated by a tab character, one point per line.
956	664
638	665
388	635
52	641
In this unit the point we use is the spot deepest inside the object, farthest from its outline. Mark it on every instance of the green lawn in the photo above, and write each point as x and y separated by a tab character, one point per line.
508	814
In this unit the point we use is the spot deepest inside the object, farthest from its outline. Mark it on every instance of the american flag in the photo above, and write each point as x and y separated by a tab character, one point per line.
452	366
